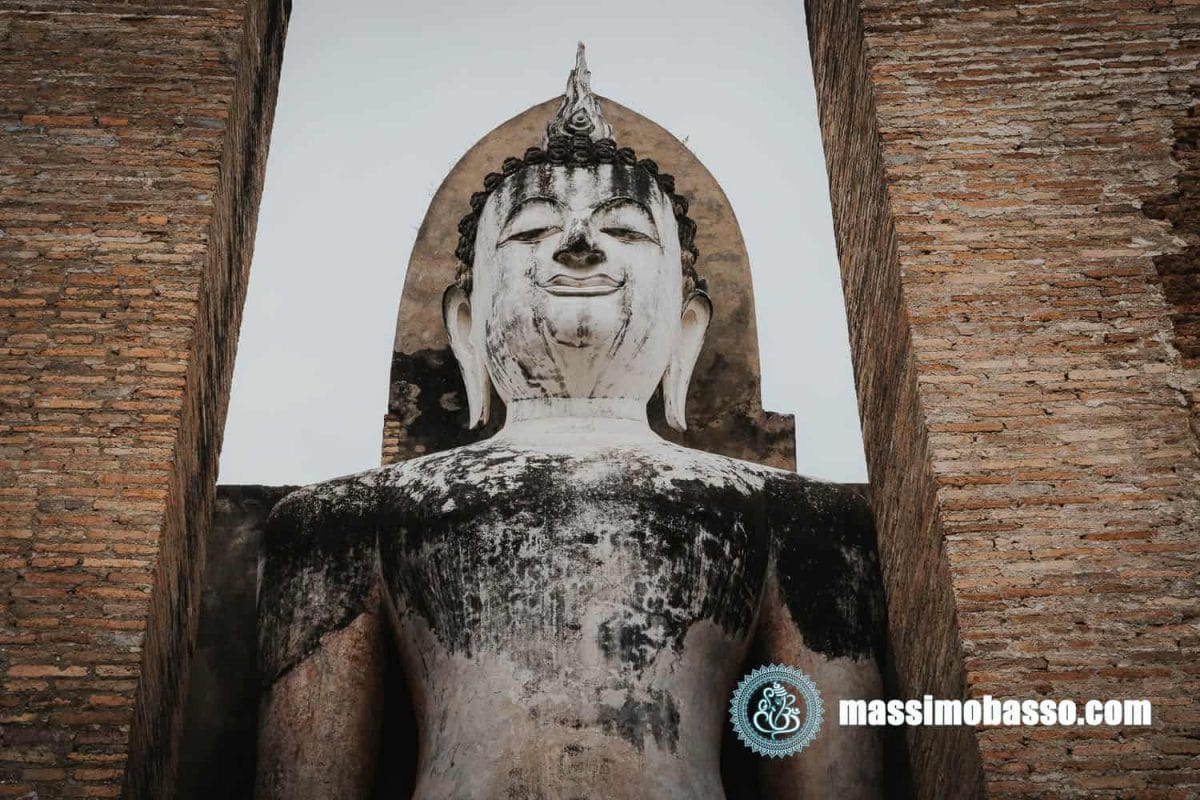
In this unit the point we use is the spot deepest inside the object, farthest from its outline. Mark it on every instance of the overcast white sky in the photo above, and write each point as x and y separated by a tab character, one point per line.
377	101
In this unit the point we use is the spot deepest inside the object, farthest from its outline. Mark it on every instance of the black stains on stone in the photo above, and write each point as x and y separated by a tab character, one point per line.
633	643
501	550
634	183
426	393
529	377
510	547
317	559
824	538
451	555
636	719
427	402
744	432
220	724
522	787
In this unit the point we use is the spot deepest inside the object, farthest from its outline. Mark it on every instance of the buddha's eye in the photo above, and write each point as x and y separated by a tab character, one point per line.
533	234
535	219
626	220
627	234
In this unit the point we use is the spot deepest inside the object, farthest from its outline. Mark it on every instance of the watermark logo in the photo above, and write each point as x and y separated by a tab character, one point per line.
776	711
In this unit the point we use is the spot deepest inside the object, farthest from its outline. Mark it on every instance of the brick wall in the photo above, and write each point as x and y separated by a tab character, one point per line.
1009	183
131	156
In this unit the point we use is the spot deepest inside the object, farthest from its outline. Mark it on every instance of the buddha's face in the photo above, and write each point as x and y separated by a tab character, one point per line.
577	284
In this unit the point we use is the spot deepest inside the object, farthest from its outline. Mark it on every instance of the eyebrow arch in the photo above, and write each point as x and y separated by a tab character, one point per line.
530	201
614	202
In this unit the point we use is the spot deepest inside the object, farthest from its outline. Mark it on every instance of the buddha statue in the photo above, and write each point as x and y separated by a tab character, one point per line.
573	600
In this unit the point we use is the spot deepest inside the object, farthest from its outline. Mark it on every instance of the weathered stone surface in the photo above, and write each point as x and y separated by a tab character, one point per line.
217	756
486	609
221	723
342	762
426	409
572	598
134	138
1019	370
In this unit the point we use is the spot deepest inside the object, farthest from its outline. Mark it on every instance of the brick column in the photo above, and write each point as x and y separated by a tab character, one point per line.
1025	406
131	156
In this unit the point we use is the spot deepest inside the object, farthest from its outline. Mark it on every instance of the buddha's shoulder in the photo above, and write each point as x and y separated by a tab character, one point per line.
361	493
779	486
818	497
497	466
494	467
796	502
339	498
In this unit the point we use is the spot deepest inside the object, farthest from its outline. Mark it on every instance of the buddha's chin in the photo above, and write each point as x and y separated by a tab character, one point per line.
584	331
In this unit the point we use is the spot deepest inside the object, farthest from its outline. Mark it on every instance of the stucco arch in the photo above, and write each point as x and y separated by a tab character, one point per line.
426	406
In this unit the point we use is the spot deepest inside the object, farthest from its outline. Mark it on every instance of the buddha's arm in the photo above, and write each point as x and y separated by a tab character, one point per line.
823	613
320	651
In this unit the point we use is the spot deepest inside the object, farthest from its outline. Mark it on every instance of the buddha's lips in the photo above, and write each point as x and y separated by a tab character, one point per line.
591	285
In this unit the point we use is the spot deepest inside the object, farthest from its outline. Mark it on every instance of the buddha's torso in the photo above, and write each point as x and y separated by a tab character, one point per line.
572	617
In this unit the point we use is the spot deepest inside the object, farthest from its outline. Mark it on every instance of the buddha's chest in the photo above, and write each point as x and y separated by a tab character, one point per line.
622	557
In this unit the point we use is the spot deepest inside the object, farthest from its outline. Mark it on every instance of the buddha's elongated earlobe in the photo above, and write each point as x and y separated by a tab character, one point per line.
456	313
697	313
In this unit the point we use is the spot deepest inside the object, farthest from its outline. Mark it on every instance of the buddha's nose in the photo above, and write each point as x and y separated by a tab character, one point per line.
579	251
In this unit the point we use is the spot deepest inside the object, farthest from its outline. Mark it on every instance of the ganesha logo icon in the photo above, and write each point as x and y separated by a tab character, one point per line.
776	711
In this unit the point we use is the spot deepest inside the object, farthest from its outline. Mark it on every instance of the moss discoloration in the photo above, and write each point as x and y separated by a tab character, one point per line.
595	595
426	393
827	565
496	546
317	569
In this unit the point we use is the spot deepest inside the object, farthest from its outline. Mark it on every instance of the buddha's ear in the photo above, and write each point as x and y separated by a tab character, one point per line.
697	313
456	313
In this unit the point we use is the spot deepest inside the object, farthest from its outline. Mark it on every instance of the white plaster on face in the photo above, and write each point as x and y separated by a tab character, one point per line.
577	284
577	295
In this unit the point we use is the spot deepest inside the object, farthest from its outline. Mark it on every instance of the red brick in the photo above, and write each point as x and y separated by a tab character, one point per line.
108	280
1015	206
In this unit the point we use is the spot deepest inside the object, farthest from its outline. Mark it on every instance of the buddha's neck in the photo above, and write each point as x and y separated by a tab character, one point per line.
576	421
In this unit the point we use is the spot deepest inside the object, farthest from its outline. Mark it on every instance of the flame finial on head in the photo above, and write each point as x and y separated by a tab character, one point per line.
578	137
579	113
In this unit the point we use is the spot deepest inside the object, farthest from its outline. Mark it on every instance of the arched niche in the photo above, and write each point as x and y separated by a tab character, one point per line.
426	401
